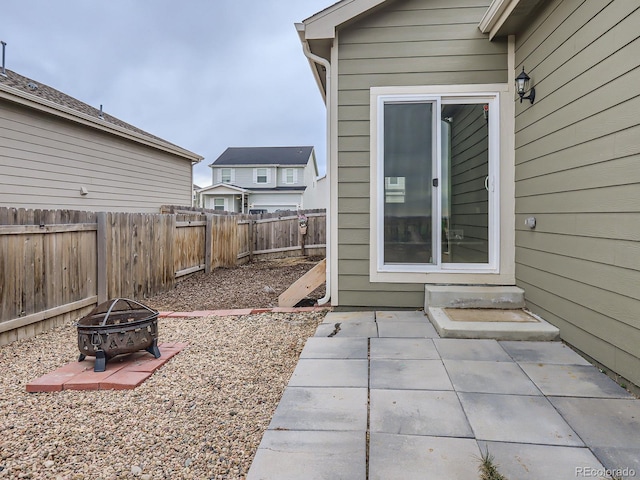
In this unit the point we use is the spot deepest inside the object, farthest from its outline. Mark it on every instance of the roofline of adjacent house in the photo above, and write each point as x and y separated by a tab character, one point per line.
315	161
259	165
207	190
278	189
52	108
262	165
226	185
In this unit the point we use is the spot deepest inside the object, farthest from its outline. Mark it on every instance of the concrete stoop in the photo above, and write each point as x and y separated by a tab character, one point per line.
462	296
488	312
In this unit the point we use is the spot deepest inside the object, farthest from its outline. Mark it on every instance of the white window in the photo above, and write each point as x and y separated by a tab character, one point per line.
289	176
261	175
394	190
227	175
434	199
218	204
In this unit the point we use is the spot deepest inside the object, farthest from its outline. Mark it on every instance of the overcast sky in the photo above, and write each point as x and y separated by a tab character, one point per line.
202	74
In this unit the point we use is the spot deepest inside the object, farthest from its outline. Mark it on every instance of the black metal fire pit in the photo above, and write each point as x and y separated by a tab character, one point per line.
115	327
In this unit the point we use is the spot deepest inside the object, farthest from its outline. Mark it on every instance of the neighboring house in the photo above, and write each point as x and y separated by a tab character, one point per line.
434	164
196	198
318	194
263	179
57	152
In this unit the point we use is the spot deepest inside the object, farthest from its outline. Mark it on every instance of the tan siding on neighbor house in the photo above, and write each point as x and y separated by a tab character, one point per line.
45	160
411	42
578	172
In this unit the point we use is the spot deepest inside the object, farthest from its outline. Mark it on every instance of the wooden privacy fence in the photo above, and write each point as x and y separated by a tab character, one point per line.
48	269
57	265
275	236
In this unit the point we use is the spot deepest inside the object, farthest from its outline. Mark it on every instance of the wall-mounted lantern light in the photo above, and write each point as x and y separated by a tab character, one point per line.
522	86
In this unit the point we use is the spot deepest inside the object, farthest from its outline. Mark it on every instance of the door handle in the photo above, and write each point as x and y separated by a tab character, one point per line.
486	183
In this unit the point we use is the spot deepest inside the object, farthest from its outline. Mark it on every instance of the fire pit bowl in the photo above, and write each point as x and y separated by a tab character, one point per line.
115	327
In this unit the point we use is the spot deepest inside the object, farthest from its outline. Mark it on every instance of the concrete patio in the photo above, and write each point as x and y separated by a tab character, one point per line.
378	395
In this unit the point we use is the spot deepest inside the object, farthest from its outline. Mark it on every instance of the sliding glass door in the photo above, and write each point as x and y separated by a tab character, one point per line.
465	183
409	153
436	183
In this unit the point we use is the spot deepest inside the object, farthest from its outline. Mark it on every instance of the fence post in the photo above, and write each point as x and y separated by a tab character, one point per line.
208	243
251	225
101	250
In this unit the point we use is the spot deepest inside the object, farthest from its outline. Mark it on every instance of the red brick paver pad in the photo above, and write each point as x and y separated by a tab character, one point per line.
123	372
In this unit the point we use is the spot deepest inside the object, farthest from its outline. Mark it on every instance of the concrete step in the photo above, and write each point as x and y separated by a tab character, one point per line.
497	324
461	296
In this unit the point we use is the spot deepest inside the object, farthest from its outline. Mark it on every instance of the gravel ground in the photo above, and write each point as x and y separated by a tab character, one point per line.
201	416
254	285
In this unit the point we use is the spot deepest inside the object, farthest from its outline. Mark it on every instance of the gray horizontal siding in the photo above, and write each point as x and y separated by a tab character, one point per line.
577	157
45	160
299	179
411	42
243	177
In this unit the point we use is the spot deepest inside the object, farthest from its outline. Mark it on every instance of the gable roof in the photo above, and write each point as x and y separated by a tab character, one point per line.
28	92
225	188
245	156
319	30
322	25
503	17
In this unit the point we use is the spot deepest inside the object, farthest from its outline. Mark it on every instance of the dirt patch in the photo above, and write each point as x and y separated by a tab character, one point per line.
253	285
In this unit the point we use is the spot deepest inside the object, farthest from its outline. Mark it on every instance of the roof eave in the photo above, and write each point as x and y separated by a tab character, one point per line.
47	106
323	24
224	185
493	17
319	30
258	165
301	29
506	17
315	163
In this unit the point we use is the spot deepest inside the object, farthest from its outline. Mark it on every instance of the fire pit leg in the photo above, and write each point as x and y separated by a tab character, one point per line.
153	349
82	357
101	362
